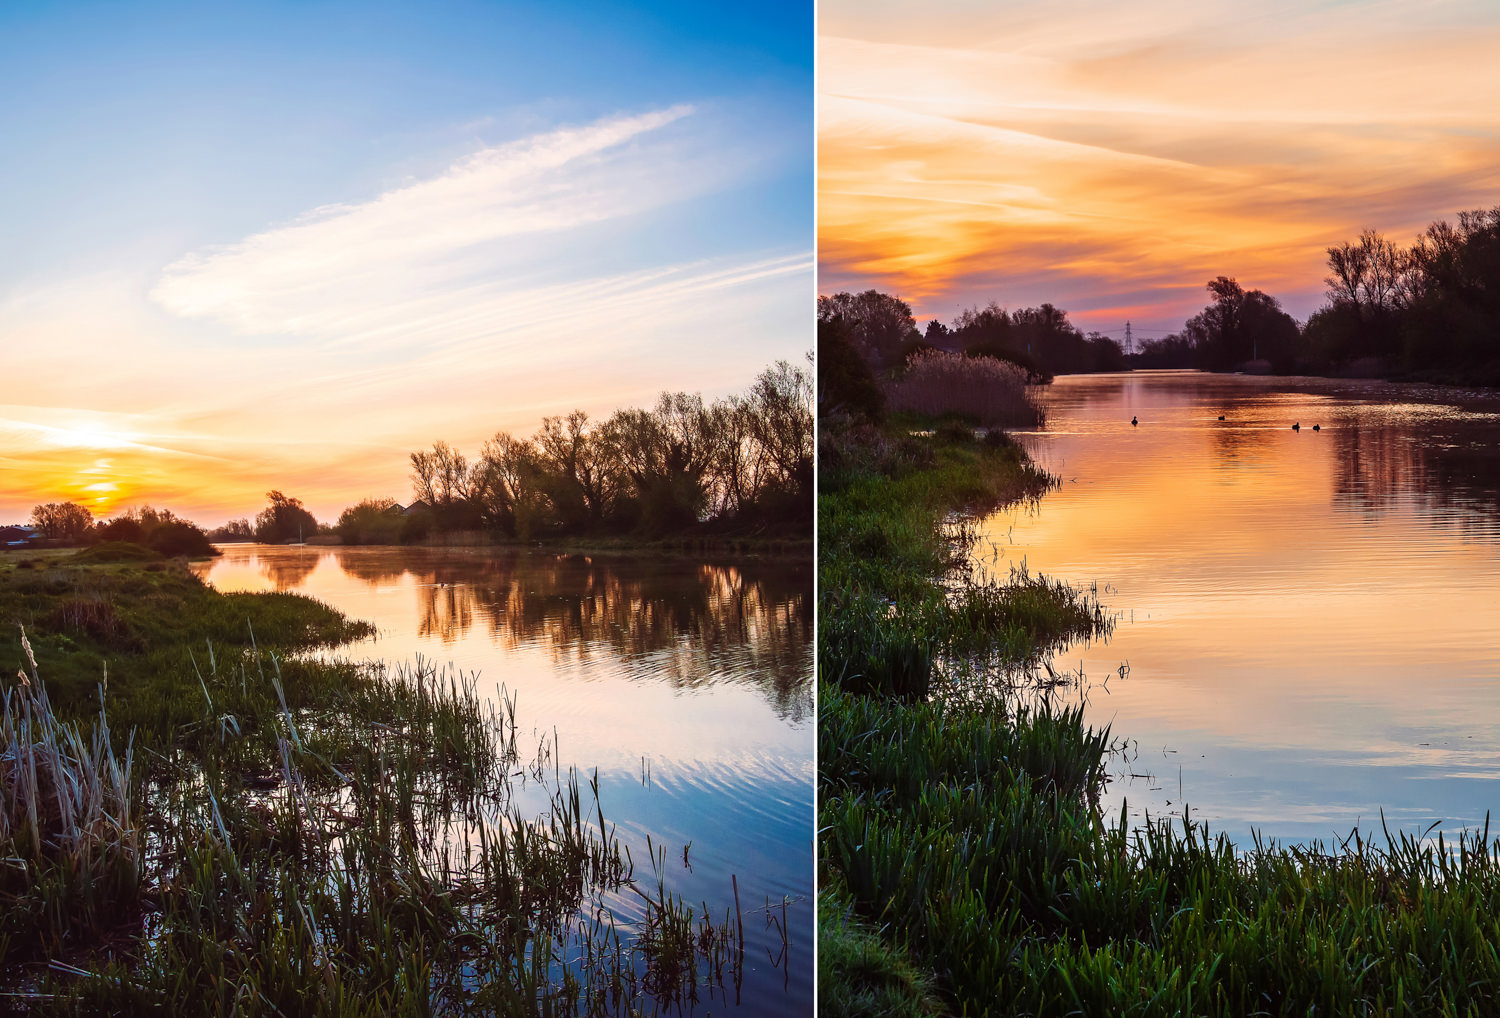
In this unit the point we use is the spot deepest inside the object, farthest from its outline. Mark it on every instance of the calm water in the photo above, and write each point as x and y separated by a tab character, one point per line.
687	685
1311	620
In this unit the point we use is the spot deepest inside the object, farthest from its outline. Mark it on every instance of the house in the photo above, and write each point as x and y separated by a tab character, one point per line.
19	536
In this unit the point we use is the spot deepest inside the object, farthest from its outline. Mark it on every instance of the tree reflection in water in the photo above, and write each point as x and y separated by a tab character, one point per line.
691	624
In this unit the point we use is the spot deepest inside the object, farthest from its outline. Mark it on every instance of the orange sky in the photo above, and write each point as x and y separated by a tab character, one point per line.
1113	157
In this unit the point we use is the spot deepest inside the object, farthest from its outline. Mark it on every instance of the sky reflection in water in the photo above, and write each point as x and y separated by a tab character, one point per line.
1311	619
687	685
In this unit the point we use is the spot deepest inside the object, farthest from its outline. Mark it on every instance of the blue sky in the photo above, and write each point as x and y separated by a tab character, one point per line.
286	244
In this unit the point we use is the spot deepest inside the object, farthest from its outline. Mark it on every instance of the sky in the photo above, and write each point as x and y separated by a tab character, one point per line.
284	245
1112	156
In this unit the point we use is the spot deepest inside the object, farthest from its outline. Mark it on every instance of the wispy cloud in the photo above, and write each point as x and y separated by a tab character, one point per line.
531	278
354	272
1106	156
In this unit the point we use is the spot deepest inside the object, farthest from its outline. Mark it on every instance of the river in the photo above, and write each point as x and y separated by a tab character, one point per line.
687	685
1309	620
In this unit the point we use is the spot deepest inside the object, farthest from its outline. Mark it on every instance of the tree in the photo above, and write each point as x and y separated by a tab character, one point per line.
779	412
578	472
371	521
668	453
1241	326
845	382
283	519
937	335
63	521
1369	282
508	488
878	324
234	530
158	529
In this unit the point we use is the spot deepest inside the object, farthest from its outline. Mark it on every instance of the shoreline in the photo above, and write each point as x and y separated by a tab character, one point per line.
965	869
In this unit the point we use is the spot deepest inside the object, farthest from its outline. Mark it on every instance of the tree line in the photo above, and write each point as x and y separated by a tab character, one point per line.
738	465
1040	340
69	523
1429	311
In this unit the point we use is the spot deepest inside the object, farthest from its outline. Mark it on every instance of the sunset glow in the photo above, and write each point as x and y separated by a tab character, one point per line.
1111	158
284	247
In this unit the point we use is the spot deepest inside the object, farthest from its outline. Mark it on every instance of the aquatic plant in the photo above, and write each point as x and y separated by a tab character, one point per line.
68	834
959	823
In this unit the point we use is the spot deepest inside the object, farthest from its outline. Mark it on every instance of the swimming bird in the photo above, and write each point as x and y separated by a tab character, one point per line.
1297	426
1134	421
1221	417
1317	427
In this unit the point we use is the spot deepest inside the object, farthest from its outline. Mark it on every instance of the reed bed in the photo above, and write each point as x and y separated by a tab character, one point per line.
67	827
971	872
992	393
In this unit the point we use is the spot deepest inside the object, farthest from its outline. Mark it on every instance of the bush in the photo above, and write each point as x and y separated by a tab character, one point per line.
179	537
373	521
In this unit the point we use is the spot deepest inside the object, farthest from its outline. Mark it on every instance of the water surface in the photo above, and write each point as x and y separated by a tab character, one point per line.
1310	620
687	685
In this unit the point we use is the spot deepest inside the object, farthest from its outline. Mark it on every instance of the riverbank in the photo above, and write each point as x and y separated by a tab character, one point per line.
960	840
786	547
226	825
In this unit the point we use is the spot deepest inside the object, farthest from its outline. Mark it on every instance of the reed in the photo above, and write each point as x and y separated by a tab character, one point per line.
68	833
300	834
991	392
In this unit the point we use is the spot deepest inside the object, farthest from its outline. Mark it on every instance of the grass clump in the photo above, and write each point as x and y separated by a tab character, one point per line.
894	599
959	824
140	616
67	826
860	974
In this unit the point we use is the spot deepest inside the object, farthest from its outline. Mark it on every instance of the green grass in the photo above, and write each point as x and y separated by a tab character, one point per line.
142	618
225	828
958	818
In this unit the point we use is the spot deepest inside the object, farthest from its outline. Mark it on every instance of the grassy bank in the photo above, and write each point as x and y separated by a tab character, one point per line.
964	866
223	828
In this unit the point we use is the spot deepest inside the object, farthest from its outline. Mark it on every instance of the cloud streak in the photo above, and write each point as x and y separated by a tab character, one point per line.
1112	156
531	278
341	269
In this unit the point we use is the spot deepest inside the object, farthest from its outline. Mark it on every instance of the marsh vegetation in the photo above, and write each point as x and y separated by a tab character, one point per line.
965	866
221	824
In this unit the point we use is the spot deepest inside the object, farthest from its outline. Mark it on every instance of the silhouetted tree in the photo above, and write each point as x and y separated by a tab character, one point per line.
371	521
878	324
668	453
1241	326
577	472
938	335
63	521
234	530
845	382
283	519
158	529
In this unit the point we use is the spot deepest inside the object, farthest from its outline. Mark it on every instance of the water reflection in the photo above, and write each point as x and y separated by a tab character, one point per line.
1311	619
686	623
685	685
